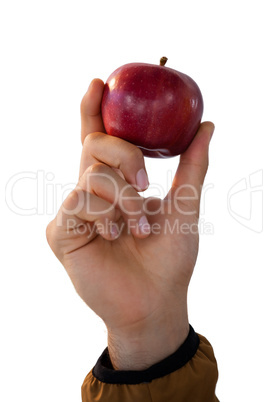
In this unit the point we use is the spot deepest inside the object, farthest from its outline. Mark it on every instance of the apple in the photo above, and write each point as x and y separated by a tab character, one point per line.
154	107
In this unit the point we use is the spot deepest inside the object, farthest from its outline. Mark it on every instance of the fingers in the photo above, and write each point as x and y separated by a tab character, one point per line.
91	120
85	213
102	181
192	168
102	156
96	207
117	153
80	219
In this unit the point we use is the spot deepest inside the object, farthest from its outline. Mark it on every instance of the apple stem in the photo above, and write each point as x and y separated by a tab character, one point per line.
163	61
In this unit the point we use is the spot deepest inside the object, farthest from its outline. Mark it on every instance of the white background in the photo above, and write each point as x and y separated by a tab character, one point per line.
50	51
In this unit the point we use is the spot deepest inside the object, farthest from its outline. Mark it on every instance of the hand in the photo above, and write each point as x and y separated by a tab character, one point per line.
135	276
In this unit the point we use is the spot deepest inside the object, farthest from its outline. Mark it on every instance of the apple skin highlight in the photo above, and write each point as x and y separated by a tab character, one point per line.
154	107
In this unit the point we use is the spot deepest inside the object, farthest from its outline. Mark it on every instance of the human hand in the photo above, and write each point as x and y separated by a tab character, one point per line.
134	276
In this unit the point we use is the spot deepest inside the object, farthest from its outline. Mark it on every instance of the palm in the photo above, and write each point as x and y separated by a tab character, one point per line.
126	280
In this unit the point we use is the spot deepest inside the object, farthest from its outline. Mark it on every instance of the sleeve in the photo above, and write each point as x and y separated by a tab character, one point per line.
189	374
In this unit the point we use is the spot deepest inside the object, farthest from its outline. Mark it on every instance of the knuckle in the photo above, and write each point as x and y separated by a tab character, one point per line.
87	141
96	168
135	154
90	140
129	160
94	173
53	239
50	234
73	198
83	104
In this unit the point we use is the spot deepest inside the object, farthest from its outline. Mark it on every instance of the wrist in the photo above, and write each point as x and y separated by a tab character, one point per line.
140	346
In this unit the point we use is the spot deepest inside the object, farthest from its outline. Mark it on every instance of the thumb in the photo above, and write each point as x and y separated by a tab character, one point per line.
193	165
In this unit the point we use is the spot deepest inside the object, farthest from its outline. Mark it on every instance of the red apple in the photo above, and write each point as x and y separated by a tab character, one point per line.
154	107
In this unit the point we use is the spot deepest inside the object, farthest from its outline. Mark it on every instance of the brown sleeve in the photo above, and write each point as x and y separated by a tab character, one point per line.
190	374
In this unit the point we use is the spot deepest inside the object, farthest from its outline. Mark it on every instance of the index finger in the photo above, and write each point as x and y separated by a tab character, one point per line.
91	120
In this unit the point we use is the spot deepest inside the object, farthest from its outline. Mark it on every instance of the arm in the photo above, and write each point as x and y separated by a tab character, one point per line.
133	276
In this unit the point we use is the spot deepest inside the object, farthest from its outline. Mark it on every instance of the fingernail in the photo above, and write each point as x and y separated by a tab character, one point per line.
142	179
144	225
114	230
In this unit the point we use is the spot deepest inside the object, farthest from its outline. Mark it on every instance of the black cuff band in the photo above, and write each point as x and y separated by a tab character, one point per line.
104	371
